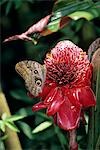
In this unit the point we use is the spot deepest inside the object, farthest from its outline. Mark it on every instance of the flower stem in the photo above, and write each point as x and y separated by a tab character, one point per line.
12	142
72	140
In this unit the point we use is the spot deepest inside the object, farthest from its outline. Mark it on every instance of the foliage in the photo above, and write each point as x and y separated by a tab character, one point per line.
8	122
16	17
94	131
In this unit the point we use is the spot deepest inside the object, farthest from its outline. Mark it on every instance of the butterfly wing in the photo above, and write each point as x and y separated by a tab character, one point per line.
34	75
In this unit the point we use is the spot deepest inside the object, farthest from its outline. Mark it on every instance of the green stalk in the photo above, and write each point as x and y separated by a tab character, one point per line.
97	112
94	118
12	142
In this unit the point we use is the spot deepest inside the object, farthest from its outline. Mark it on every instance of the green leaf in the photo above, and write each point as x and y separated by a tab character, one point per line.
95	11
12	126
17	3
21	96
69	8
43	115
8	7
60	136
54	25
66	11
98	144
25	112
4	137
2	1
42	127
15	118
28	112
71	5
2	125
4	116
81	14
2	146
26	129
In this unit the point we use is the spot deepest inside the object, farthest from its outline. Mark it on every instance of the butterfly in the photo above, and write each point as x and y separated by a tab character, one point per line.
34	75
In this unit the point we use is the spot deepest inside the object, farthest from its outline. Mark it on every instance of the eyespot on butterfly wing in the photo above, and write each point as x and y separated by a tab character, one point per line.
34	75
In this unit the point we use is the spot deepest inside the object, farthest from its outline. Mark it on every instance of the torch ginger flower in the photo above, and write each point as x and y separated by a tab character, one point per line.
66	92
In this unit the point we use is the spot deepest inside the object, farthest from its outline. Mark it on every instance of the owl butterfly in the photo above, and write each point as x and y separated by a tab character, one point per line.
34	75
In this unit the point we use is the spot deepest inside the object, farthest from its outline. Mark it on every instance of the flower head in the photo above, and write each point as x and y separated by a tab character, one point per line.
66	91
66	64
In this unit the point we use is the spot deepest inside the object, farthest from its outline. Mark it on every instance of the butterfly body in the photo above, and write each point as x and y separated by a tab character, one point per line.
34	75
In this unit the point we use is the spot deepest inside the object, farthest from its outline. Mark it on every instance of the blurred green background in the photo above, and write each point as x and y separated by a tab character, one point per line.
16	17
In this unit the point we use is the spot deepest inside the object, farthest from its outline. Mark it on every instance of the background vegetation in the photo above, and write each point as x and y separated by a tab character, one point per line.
16	17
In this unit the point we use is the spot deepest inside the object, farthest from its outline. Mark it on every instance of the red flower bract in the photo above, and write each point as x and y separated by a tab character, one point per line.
67	87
